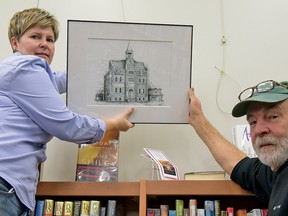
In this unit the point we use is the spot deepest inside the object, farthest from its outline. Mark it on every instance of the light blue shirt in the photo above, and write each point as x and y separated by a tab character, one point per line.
31	113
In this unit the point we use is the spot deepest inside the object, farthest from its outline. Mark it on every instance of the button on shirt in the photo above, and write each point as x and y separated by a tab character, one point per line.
31	113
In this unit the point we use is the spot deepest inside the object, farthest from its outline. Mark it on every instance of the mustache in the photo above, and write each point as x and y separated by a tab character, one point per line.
271	140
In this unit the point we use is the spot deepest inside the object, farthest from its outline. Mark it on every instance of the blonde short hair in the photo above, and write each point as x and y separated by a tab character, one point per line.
24	20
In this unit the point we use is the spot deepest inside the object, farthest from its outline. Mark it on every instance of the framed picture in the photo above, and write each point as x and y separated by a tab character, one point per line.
113	65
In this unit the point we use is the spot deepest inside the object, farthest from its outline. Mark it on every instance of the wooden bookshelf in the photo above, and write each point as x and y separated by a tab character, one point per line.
136	197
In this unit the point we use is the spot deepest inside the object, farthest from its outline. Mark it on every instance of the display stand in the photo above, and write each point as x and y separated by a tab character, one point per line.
155	172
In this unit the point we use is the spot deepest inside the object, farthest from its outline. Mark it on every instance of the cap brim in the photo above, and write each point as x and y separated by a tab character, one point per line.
240	109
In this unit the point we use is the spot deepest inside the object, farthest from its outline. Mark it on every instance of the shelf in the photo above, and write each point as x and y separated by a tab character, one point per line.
136	197
71	189
195	187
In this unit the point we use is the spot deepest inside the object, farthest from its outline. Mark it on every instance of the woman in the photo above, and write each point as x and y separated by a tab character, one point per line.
32	111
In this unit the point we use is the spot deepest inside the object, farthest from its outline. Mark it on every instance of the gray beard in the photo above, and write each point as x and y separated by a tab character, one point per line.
275	156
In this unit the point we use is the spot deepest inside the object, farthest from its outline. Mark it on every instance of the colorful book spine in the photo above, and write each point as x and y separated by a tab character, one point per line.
223	213
179	207
209	208
172	213
193	207
48	207
157	212
94	208
39	208
230	211
217	207
58	208
85	207
150	212
264	212
164	210
68	208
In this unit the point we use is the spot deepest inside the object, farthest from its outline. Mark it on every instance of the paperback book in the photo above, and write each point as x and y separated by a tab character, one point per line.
241	138
99	162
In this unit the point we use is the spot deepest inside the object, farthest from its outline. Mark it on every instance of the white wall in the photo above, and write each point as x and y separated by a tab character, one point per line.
256	49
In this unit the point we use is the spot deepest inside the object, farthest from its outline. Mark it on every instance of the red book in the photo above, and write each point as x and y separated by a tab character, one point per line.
150	212
230	211
264	212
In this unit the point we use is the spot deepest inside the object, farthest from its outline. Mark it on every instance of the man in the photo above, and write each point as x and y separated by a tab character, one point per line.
266	108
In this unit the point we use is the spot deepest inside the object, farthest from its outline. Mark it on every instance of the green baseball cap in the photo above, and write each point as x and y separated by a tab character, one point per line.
276	94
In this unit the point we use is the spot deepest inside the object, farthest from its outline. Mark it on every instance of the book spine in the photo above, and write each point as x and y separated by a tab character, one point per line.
157	212
103	211
241	212
68	208
39	208
179	207
77	208
111	208
85	206
172	213
164	210
230	211
48	207
217	207
150	212
264	212
223	213
58	208
185	212
209	208
193	207
94	208
201	212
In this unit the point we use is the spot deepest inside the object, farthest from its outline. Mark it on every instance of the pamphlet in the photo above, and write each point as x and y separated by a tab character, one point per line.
166	168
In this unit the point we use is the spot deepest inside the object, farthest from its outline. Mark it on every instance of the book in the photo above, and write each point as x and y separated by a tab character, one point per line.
193	207
179	207
111	208
68	208
48	207
99	162
200	212
172	213
186	212
255	212
241	212
85	207
223	213
58	208
230	211
209	175
217	207
150	212
103	211
209	208
94	208
164	210
242	139
264	212
77	208
39	210
157	212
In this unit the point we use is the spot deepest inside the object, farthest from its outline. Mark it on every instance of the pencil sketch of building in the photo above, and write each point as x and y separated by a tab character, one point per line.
128	81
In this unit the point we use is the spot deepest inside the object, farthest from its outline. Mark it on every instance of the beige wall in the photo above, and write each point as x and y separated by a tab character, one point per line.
256	49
